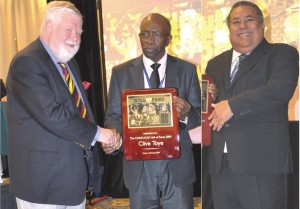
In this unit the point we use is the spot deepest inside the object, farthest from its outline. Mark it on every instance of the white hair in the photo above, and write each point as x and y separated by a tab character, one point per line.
54	10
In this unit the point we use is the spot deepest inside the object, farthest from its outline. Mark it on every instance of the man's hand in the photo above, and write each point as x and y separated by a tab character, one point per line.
221	114
182	107
213	91
107	136
109	148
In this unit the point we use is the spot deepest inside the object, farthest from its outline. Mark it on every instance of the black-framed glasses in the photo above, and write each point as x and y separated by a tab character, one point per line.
156	34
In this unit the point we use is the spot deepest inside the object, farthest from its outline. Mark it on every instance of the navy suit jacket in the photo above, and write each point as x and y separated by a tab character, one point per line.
179	74
257	136
46	134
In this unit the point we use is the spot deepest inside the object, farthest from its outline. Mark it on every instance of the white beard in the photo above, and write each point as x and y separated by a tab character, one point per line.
64	55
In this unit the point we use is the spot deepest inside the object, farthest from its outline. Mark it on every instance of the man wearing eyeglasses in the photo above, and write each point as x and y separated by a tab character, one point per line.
170	179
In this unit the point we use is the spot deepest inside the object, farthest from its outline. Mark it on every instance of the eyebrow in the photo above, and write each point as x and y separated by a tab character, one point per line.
244	17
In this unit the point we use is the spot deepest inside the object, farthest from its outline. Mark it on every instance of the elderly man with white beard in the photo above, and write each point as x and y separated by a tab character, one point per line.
51	126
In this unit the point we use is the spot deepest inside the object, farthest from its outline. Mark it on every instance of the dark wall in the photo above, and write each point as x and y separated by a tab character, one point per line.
92	66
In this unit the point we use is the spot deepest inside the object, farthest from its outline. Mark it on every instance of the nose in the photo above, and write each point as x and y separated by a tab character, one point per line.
75	36
244	23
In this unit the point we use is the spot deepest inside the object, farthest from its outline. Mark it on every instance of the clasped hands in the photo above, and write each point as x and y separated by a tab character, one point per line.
110	139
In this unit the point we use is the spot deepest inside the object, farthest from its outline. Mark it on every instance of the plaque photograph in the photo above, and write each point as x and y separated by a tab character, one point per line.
206	109
150	124
204	101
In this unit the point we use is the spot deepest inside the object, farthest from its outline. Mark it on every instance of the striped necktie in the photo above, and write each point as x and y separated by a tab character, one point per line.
73	91
236	67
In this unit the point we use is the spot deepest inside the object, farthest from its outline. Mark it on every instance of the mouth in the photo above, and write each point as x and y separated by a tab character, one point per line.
148	50
244	34
71	45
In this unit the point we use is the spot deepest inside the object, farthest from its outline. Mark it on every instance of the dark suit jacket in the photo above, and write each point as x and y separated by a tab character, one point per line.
257	136
46	135
179	74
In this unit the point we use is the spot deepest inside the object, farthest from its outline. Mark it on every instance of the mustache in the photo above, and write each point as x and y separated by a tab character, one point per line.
72	43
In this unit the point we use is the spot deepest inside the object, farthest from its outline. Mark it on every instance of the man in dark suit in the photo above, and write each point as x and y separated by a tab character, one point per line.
250	154
47	134
171	178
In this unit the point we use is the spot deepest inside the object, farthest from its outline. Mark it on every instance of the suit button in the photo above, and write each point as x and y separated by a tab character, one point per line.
227	125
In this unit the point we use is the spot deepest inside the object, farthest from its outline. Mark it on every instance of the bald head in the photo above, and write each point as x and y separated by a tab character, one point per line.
158	18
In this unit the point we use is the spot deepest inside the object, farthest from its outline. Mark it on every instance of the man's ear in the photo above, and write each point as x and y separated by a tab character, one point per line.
48	25
169	39
263	26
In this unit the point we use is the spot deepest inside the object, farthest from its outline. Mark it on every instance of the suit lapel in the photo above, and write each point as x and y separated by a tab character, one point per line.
52	68
50	64
75	70
137	74
55	73
171	72
227	65
251	60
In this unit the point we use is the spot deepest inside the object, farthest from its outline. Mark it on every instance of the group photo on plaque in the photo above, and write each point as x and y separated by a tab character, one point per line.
150	125
149	110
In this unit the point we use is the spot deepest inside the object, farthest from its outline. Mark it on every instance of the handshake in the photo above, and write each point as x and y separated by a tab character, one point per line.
110	139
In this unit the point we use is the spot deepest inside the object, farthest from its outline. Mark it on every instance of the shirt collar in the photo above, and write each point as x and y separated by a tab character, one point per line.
148	62
235	55
54	59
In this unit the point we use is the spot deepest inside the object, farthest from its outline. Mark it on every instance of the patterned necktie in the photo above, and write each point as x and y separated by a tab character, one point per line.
236	67
73	90
154	78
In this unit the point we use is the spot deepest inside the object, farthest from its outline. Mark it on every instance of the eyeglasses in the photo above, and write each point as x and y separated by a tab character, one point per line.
156	34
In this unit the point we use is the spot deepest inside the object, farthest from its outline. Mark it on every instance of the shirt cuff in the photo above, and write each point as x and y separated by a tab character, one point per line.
96	136
185	120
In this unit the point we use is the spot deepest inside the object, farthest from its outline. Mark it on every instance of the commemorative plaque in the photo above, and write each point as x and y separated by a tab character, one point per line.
206	109
150	124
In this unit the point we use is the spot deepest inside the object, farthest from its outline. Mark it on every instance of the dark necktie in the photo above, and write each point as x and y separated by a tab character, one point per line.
154	78
73	91
236	67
